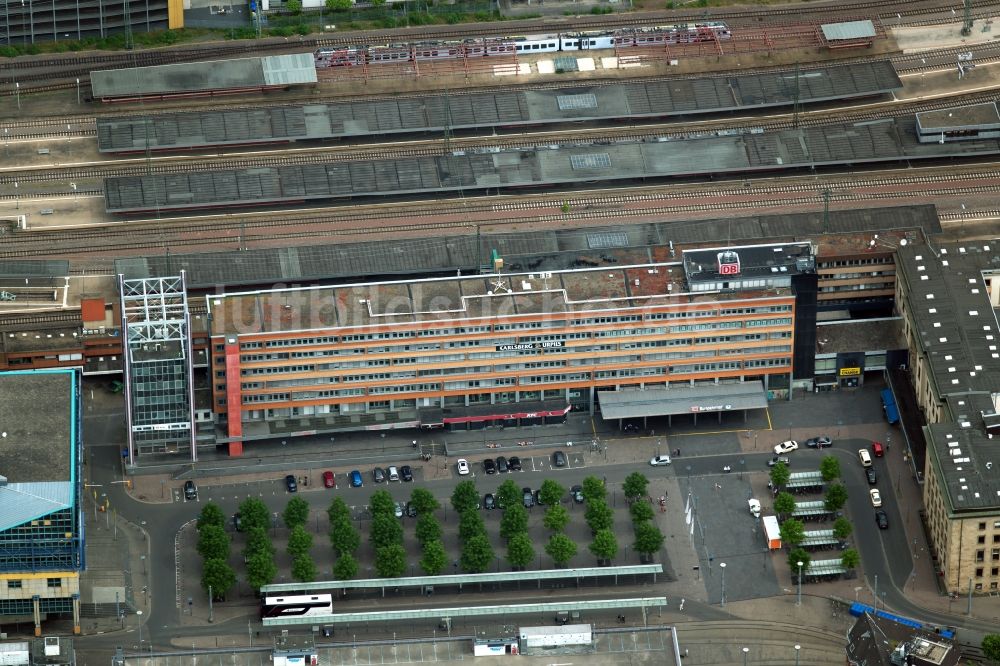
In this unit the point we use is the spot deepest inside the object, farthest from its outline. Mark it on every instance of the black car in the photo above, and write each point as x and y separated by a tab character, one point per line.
870	473
291	485
538	497
378	475
514	463
190	490
577	493
502	465
821	442
411	510
558	459
405	473
489	502
528	498
882	520
490	466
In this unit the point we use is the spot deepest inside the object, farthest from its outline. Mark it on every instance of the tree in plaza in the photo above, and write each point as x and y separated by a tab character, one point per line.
991	646
520	551
465	496
338	5
599	516
836	497
385	530
842	528
556	518
794	557
304	569
850	559
434	558
561	549
477	553
636	485
508	494
780	475
784	504
213	543
338	509
296	513
254	513
381	502
605	545
390	561
792	531
424	501
219	575
641	512
299	542
829	468
346	567
258	542
514	521
211	514
344	536
470	524
648	538
551	492
594	490
428	529
261	570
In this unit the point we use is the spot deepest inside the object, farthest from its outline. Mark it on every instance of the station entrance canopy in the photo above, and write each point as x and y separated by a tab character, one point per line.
717	398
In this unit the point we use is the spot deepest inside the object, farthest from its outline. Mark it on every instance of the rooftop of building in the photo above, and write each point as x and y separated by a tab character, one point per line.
40	339
973	115
746	262
848	30
13	268
854	335
872	640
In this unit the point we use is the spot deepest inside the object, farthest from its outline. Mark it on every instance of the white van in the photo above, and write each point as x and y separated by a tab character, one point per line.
393	474
866	459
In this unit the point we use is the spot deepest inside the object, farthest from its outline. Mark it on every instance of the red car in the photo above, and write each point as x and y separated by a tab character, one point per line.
877	449
328	480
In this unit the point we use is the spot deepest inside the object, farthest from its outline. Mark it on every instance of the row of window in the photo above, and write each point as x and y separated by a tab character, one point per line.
17	584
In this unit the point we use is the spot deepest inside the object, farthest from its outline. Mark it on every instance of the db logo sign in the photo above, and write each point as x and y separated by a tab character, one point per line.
729	269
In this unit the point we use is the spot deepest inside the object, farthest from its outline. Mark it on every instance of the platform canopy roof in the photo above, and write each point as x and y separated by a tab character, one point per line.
638	403
848	30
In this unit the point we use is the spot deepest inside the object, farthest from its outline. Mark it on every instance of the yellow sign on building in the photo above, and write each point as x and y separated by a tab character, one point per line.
850	372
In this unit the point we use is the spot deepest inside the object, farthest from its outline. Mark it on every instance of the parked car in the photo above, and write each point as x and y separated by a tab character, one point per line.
882	520
190	490
393	473
399	509
502	467
514	463
876	497
577	493
328	480
406	473
878	449
821	442
411	510
656	461
489	501
786	447
866	460
490	466
528	498
538	497
291	485
870	473
356	480
378	475
778	459
463	466
559	459
754	507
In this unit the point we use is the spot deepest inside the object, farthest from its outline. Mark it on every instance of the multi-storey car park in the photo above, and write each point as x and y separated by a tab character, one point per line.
55	20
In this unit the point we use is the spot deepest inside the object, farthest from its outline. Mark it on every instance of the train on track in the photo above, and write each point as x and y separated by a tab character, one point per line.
352	56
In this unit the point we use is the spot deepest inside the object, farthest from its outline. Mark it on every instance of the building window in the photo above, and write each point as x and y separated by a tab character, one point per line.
982	526
980	555
979	572
13	585
981	539
996	554
995	571
54	582
996	538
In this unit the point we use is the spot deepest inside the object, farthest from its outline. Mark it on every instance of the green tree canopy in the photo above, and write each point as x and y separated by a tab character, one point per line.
561	549
991	646
390	561
551	492
211	514
465	496
304	569
829	467
648	538
381	502
299	542
520	551
346	567
338	5
296	513
258	542
599	516
477	554
428	528
795	556
836	497
508	494
338	509
605	545
641	512
261	570
594	490
219	575
850	559
422	499
434	558
293	6
556	518
470	524
213	543
254	513
784	504
386	530
780	475
344	536
842	528
792	531
636	485
514	521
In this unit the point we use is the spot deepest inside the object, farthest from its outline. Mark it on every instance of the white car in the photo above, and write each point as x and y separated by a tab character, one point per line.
786	447
463	466
754	507
659	460
876	497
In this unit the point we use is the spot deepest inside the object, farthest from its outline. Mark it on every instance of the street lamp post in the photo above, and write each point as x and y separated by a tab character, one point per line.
797	648
876	592
138	615
798	602
722	565
746	651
